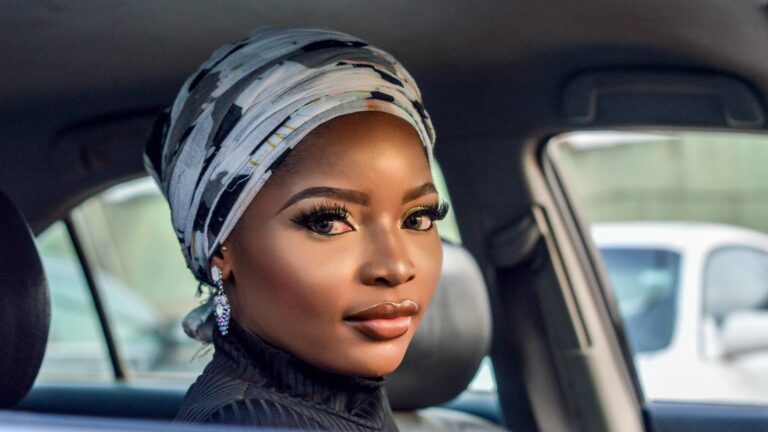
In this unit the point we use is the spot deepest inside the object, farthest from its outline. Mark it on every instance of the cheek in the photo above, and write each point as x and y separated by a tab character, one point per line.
302	277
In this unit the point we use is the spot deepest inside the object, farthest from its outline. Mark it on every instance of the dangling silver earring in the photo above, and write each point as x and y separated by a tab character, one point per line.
220	302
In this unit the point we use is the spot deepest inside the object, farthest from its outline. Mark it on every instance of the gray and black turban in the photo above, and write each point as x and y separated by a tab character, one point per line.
241	113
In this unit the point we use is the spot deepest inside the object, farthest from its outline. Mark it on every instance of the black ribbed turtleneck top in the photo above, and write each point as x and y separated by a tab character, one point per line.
250	382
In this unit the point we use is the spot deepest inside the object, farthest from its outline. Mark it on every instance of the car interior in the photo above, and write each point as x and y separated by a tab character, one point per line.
438	367
83	82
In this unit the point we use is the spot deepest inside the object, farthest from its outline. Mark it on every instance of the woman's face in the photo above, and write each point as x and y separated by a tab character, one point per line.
337	257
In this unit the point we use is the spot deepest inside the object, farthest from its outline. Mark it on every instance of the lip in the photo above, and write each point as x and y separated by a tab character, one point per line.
384	321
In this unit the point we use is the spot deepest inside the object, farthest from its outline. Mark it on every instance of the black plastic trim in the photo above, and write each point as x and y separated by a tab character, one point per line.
661	97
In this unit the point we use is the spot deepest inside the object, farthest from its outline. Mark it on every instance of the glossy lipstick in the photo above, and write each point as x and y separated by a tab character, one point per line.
384	321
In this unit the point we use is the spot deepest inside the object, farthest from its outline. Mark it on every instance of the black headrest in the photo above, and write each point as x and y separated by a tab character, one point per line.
453	338
25	313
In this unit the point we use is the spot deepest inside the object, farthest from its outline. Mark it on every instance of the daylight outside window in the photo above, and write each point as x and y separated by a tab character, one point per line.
680	220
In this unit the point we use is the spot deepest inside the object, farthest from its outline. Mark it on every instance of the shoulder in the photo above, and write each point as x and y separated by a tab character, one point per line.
221	395
214	388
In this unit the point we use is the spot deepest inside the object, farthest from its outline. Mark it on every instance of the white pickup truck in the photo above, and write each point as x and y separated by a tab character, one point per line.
694	301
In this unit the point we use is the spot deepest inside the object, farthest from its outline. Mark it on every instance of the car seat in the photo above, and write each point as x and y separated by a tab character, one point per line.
24	306
446	351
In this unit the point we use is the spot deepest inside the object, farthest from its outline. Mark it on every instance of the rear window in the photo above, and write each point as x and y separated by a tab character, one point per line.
645	284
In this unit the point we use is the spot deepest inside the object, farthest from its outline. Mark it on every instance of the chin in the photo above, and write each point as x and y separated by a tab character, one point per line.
377	369
375	362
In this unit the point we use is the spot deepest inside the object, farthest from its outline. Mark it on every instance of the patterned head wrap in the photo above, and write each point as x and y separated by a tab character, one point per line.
241	113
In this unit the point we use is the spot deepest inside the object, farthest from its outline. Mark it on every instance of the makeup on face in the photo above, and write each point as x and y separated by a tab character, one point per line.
330	218
383	321
336	260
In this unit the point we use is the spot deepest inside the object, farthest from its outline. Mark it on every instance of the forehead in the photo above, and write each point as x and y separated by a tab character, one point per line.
358	142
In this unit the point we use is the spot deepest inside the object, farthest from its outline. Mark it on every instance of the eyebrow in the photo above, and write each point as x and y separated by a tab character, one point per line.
352	196
417	192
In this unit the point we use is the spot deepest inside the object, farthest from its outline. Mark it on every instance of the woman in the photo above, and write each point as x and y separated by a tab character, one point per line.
296	165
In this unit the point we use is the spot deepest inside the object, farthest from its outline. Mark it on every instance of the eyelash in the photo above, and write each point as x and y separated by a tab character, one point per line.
321	213
326	212
435	212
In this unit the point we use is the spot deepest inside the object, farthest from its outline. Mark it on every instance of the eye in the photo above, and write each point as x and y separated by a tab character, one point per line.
417	222
423	218
329	227
325	219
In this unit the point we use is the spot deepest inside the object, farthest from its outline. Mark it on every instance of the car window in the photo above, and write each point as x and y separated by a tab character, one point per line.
679	222
736	306
735	279
144	284
76	349
484	380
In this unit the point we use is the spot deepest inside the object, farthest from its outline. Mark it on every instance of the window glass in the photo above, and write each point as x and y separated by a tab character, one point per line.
679	218
76	347
484	380
142	278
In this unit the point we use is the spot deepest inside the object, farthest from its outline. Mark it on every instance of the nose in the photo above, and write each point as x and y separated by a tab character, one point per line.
388	264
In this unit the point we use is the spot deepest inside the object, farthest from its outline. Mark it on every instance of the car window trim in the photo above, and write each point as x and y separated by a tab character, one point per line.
117	366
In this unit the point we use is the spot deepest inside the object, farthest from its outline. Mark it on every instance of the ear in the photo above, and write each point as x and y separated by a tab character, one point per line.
223	260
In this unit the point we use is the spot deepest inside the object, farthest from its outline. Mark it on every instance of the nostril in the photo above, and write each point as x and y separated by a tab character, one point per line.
391	282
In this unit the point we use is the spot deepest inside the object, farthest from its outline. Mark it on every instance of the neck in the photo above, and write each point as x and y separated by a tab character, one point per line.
268	366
